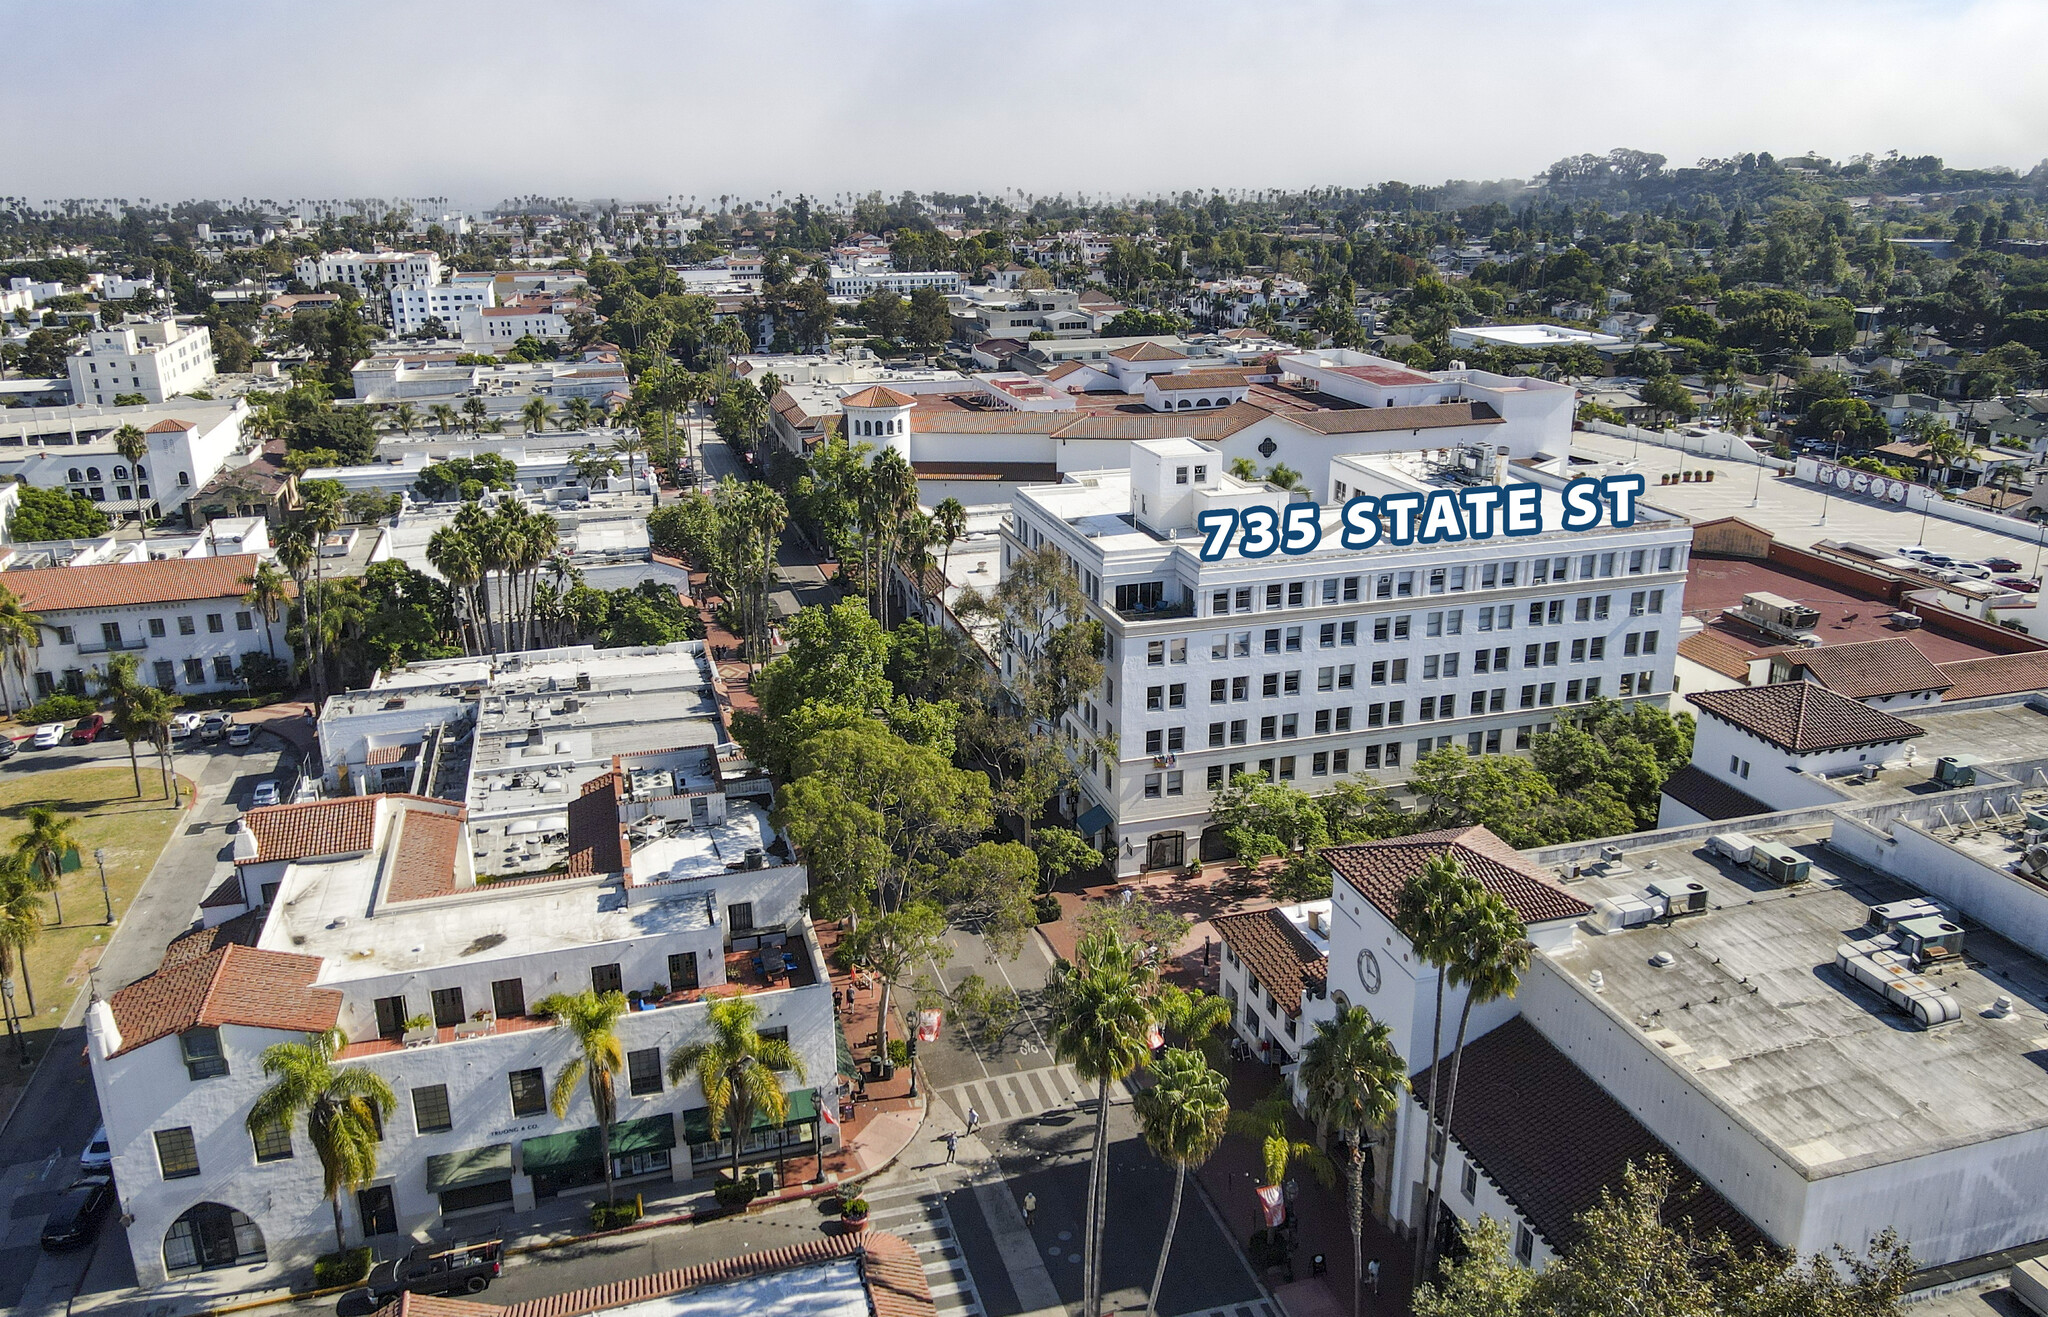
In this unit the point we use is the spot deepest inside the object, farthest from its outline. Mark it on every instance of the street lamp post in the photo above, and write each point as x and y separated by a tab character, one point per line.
14	1024
99	855
1827	485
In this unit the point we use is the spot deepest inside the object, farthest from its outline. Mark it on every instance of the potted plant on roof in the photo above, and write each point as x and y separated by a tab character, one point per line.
854	1212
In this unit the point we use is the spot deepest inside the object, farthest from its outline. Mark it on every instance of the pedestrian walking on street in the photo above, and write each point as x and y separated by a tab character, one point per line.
1372	1275
1030	1209
973	1119
952	1146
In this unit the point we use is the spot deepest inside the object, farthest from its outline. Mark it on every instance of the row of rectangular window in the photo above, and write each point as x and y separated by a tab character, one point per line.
1443	622
216	623
1439	580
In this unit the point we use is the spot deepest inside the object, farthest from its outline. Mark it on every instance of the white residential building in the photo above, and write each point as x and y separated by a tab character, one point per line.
72	448
370	273
1333	663
185	620
158	359
618	866
412	305
498	328
862	280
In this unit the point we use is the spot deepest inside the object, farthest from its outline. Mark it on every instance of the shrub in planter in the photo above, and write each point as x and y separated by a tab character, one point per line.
730	1194
57	709
853	1211
1045	907
343	1268
899	1052
610	1216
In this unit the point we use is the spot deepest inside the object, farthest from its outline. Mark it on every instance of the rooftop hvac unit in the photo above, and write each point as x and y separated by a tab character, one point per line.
1905	621
1610	853
1678	896
1931	940
1868	772
1888	975
1734	845
1780	864
1612	914
1956	771
1887	917
2037	819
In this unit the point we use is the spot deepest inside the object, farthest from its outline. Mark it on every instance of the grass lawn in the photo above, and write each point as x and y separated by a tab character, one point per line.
133	832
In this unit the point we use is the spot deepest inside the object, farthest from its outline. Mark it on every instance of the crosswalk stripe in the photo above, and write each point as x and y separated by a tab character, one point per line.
918	1215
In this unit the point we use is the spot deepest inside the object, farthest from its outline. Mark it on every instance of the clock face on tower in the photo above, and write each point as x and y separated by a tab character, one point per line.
1369	970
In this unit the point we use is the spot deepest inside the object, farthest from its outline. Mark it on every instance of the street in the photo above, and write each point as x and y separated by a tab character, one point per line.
40	1143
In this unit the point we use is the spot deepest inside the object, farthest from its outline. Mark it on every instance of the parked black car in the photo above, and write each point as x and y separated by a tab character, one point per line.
426	1270
76	1218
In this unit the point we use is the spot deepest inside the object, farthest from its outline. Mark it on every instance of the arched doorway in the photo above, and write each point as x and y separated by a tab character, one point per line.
211	1235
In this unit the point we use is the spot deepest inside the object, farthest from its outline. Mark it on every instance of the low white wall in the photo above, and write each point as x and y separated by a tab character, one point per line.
1715	443
1920	498
1991	896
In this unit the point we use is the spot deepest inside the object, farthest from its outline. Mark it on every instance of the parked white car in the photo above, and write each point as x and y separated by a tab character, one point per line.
1975	571
98	1154
49	734
184	724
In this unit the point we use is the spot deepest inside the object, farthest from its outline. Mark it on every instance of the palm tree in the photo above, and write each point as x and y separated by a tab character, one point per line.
269	590
154	709
1425	912
443	415
949	520
475	410
21	918
536	413
44	845
454	555
322	515
122	688
1265	1122
736	1069
629	444
20	636
133	445
344	1106
1244	468
1353	1078
1183	1114
1490	949
405	416
581	412
1099	1021
591	1018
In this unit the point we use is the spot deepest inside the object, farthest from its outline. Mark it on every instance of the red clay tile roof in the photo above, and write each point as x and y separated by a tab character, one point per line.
115	585
1710	653
391	754
1275	952
1373	420
316	827
890	1269
232	985
877	395
1380	869
1204	379
2001	674
170	427
1551	1139
1869	668
1710	797
1804	718
424	862
242	930
596	837
1147	351
228	892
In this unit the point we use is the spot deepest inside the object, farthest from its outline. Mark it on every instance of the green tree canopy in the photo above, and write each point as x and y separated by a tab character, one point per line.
55	514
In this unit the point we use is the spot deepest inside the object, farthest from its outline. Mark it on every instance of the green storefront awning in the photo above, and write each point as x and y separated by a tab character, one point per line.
576	1147
802	1107
471	1166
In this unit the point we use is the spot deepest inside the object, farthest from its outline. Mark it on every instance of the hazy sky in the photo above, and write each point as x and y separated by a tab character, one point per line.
636	99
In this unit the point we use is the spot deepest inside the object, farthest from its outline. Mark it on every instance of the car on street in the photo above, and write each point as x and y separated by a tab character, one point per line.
240	734
9	747
2021	584
213	728
98	1154
47	735
2000	564
1975	571
184	724
88	729
77	1215
264	794
1915	551
466	1270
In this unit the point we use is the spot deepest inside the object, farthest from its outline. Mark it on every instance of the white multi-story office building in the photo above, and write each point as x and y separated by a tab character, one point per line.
1333	663
185	620
862	280
370	273
500	327
72	448
158	359
430	931
412	305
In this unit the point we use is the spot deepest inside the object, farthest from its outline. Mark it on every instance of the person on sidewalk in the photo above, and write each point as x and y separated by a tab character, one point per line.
1030	1209
1372	1275
973	1120
952	1146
